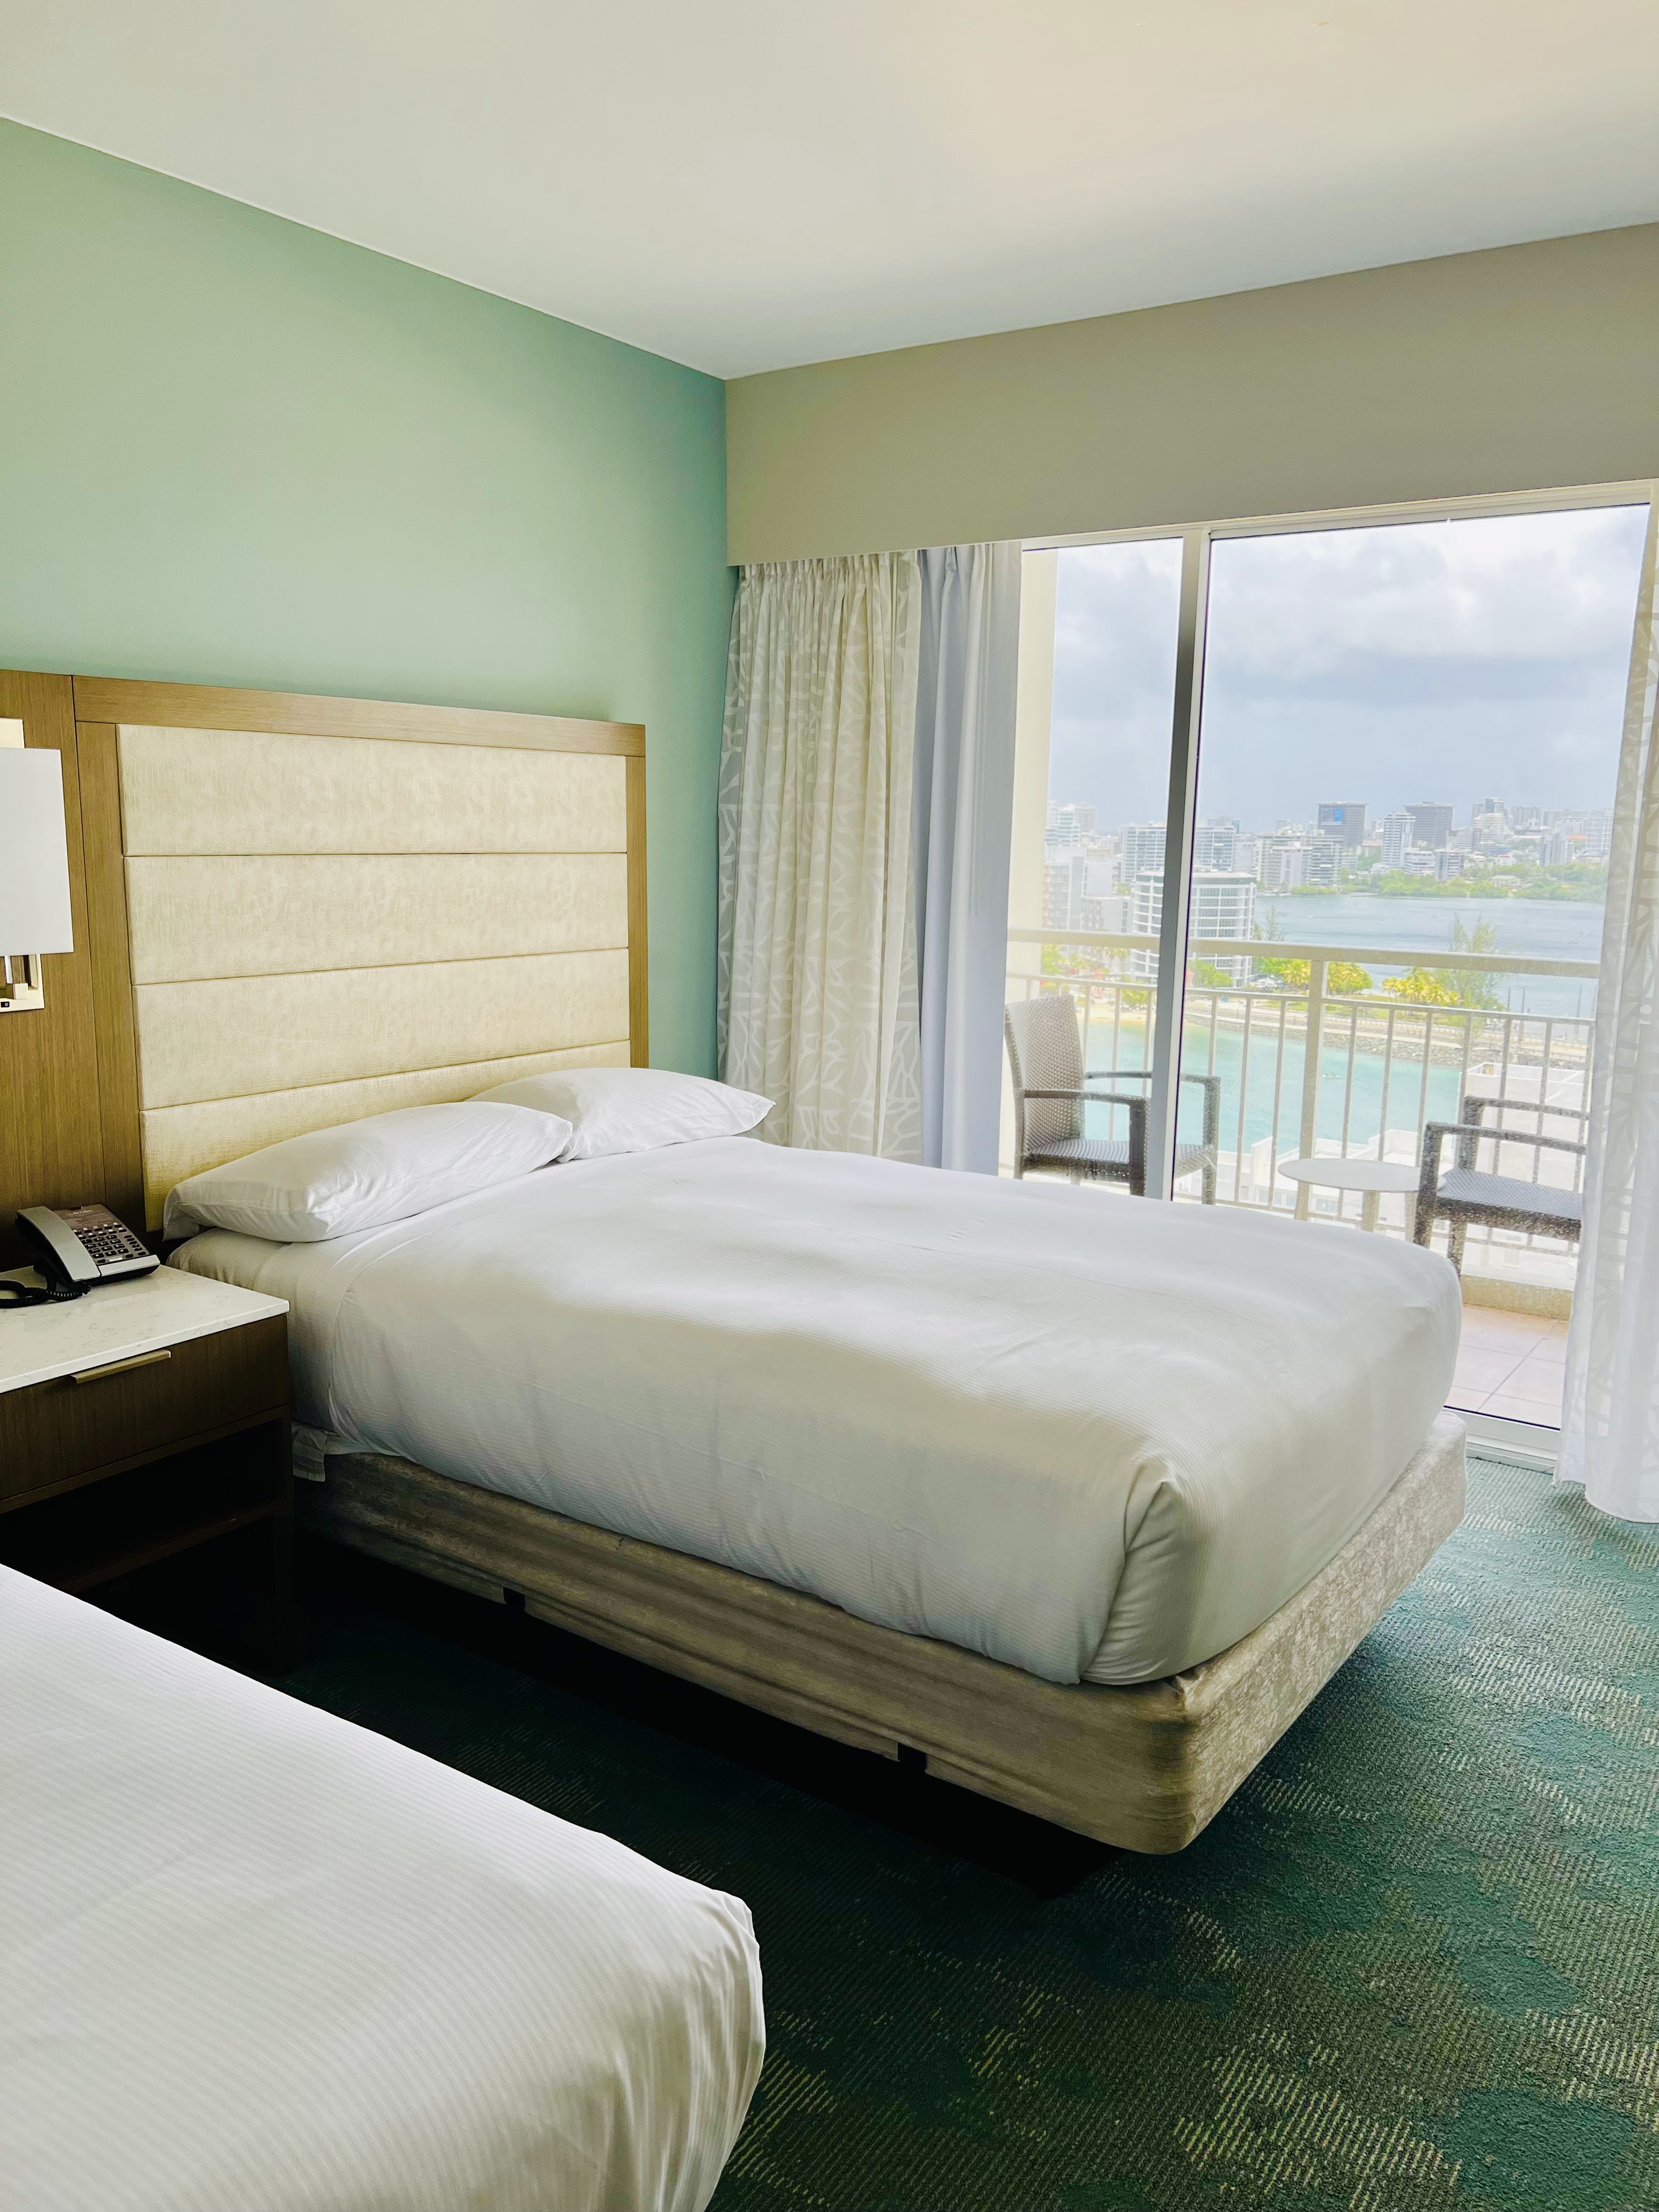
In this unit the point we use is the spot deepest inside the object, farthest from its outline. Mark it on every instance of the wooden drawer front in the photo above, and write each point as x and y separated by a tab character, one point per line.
53	1432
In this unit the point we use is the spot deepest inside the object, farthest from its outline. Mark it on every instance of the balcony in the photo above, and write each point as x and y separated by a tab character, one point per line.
1311	1072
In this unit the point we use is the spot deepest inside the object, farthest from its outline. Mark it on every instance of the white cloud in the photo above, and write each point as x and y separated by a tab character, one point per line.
1421	661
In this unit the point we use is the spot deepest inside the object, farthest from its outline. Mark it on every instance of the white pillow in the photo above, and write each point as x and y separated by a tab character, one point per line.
363	1173
634	1109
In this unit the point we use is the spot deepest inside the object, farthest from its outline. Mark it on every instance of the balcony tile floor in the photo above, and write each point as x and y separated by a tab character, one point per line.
1510	1365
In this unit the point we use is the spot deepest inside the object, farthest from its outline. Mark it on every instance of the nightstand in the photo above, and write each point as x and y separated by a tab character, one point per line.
141	1422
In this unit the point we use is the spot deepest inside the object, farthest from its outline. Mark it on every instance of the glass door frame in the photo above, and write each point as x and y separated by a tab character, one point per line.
1187	720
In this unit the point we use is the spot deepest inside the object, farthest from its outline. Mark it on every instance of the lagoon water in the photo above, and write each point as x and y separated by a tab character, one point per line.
1549	929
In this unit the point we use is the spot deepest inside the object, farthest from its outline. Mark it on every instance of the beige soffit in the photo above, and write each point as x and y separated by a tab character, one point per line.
1529	368
181	1140
200	918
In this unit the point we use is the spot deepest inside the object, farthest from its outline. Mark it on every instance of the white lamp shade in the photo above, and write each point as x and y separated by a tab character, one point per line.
34	884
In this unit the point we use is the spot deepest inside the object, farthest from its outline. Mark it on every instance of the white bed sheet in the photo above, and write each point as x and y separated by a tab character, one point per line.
257	1960
1092	1437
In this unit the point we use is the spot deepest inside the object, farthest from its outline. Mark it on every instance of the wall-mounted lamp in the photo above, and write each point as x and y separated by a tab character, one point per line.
34	885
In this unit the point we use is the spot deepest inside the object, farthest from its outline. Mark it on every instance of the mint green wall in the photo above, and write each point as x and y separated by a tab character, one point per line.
235	450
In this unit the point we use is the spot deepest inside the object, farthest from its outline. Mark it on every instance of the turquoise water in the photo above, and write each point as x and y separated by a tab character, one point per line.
1546	928
1363	1102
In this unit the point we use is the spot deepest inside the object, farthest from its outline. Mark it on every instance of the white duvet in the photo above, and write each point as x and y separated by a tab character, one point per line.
1086	1435
257	1960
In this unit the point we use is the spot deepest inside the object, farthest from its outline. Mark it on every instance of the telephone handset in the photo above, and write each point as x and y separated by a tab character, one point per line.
75	1246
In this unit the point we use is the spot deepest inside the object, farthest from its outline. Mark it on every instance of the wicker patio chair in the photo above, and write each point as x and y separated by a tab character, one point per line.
1464	1193
1052	1088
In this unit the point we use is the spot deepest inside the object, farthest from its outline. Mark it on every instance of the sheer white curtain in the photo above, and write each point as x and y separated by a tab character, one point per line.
964	805
1610	1423
817	979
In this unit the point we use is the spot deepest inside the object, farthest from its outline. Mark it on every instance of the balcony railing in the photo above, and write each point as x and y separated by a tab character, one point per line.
1311	1072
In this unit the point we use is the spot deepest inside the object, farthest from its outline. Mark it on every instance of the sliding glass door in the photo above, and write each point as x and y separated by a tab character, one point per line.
1099	654
1322	815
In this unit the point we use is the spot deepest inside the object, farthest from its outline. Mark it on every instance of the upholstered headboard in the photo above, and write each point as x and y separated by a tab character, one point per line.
331	907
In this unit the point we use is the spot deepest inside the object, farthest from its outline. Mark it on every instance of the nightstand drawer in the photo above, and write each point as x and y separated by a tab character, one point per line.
52	1433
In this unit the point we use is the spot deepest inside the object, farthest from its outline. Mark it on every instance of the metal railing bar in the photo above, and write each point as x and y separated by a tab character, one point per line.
1278	1091
1428	1062
1088	1018
1387	1078
1384	955
1463	1067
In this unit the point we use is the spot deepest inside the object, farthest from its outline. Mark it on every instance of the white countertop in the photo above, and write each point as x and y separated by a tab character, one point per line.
119	1321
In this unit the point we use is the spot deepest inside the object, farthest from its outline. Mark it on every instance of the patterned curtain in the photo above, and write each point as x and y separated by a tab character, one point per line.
817	959
1610	1425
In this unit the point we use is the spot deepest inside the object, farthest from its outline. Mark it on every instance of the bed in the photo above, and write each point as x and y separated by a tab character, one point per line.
254	1956
307	910
1076	1453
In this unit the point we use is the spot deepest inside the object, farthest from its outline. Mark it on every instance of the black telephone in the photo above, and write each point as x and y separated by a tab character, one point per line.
75	1246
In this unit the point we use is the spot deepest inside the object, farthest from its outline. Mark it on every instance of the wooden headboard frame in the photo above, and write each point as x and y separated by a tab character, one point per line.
72	1080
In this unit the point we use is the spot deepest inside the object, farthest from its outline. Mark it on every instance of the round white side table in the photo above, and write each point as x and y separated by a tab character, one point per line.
1373	1177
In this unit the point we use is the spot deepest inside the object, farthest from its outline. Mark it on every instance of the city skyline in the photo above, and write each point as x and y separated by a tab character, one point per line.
1111	879
1462	819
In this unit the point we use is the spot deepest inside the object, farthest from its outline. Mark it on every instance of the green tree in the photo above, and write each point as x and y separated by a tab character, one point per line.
1347	980
1208	977
1473	984
1290	974
1342	976
1421	988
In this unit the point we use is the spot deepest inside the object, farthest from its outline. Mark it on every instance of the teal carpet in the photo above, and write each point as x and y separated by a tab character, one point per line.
1415	1963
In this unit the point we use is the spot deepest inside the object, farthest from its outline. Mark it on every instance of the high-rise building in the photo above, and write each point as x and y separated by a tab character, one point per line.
1397	837
1112	912
1077	894
1065	890
1343	820
1071	823
1295	863
1215	844
1430	827
1057	895
1140	847
1223	905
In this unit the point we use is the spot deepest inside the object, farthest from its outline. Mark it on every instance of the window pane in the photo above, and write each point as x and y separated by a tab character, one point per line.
1409	750
1097	651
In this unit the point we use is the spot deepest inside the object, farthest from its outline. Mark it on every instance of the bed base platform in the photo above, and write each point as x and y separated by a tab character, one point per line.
1145	1766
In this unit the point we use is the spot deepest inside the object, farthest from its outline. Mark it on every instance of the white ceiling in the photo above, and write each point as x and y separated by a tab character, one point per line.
746	184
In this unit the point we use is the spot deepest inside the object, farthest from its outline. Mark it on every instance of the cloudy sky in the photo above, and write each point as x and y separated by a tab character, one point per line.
1424	661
